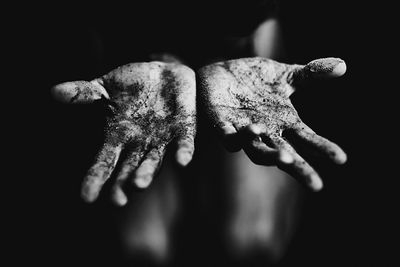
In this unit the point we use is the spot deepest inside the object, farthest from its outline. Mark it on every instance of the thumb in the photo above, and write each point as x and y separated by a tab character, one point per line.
79	92
319	69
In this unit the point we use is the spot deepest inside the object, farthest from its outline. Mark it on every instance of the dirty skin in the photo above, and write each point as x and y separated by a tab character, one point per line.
248	103
153	104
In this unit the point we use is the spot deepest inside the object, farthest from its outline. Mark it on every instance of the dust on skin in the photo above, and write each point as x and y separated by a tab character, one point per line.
155	98
252	95
252	90
79	92
153	104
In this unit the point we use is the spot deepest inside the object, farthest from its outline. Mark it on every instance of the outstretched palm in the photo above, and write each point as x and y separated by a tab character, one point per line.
247	100
153	104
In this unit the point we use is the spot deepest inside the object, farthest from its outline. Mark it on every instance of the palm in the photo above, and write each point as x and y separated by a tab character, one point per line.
153	105
248	101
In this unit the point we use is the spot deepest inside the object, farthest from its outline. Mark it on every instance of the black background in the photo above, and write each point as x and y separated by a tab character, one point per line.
349	223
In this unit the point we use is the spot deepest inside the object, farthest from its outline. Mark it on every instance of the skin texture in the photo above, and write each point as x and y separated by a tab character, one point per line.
152	105
247	101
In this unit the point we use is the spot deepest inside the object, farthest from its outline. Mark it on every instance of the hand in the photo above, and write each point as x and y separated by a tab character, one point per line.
247	100
152	104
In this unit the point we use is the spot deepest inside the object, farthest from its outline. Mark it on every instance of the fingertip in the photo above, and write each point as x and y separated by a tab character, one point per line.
327	67
336	154
142	182
340	158
184	155
251	131
285	157
254	129
121	202
247	134
315	183
185	150
119	198
88	195
228	130
339	69
63	92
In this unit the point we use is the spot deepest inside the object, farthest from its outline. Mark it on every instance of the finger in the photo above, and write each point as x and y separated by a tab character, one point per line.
234	139
320	144
319	68
230	138
148	168
129	165
256	146
118	196
185	150
79	92
252	130
299	168
101	170
261	154
183	79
